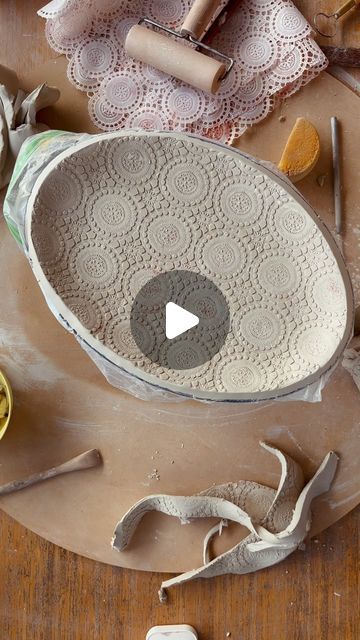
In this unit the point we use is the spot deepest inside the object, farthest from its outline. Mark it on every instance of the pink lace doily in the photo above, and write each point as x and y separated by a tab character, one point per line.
270	40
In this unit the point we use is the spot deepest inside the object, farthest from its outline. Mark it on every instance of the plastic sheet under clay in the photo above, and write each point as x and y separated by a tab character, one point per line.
109	213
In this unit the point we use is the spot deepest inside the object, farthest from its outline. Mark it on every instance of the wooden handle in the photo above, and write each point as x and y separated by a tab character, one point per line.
343	57
86	460
169	56
346	7
199	16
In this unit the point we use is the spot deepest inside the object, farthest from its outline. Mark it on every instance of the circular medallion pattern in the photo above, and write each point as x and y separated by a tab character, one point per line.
240	202
185	182
97	56
315	344
277	274
222	256
93	265
288	23
184	102
63	191
183	356
134	160
293	223
89	315
49	244
328	292
262	328
113	212
123	92
120	338
166	10
167	236
240	375
257	52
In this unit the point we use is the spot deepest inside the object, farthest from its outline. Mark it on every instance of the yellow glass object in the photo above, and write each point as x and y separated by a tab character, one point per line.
9	396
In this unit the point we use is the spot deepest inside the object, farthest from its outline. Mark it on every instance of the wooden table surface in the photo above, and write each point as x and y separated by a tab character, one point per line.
47	593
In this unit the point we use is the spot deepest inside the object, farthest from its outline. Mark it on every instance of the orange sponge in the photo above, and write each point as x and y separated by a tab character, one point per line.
301	152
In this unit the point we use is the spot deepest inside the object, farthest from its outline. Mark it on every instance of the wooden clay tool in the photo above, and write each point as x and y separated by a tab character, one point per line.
179	60
86	460
343	56
336	173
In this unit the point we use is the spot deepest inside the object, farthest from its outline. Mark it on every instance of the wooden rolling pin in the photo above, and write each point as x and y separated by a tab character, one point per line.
199	17
86	460
176	58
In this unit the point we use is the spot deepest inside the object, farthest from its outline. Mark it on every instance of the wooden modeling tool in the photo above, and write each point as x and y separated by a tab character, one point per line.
326	23
343	56
86	460
336	173
179	60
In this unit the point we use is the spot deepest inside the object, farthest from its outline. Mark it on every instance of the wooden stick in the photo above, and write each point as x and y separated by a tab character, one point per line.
86	460
336	173
343	57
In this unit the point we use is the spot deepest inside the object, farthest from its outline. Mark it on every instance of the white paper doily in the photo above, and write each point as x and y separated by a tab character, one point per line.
270	40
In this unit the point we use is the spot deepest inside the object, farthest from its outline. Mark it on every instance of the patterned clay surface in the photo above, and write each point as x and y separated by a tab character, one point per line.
114	214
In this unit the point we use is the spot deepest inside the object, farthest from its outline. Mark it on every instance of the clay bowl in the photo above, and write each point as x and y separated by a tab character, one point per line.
110	213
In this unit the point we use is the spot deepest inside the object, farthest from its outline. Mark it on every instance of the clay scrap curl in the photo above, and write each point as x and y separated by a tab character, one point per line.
18	118
278	520
351	362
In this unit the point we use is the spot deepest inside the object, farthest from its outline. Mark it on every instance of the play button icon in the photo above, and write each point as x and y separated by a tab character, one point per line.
178	320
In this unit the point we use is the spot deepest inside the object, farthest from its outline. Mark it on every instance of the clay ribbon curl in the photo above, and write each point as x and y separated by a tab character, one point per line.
278	520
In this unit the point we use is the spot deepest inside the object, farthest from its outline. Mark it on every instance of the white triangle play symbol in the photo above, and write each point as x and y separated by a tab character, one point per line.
178	320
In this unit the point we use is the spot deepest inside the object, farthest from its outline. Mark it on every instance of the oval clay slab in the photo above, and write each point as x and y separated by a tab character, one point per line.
111	213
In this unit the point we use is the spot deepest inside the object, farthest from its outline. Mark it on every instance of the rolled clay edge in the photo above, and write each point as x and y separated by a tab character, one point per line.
287	540
285	462
299	526
188	507
350	362
217	529
318	484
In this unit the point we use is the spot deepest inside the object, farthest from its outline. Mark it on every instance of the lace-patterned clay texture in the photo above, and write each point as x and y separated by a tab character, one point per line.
270	41
277	520
111	213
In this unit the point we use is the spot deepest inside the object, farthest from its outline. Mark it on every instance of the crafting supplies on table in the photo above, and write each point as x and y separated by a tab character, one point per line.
271	44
